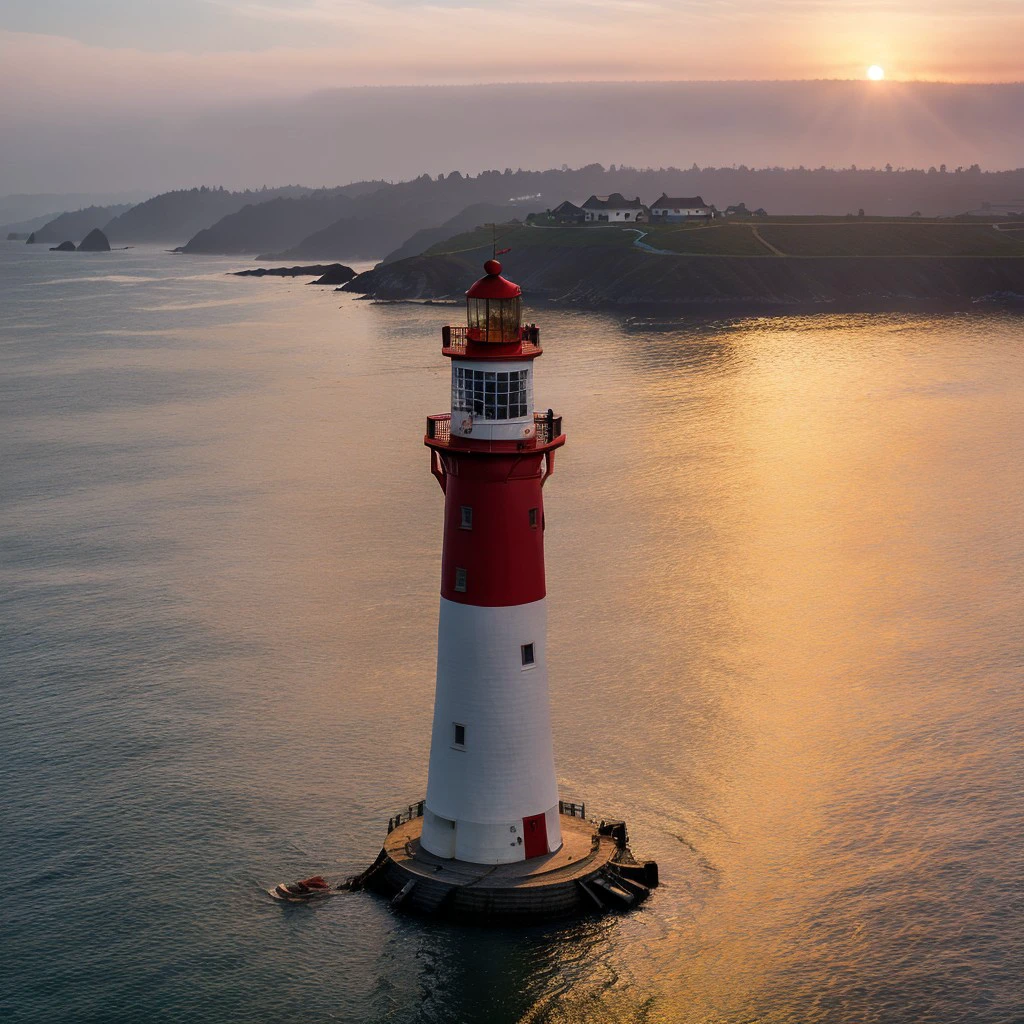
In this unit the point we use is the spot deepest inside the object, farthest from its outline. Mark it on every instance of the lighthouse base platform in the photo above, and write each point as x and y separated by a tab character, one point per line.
593	871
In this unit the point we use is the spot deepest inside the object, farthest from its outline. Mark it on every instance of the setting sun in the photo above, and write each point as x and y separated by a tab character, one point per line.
876	73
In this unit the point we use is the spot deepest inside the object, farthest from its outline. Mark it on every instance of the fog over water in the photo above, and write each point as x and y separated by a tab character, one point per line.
784	561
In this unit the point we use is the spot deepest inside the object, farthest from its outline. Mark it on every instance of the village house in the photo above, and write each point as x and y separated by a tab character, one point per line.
615	208
668	208
568	213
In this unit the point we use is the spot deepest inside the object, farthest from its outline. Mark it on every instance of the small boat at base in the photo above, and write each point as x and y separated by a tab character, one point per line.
306	889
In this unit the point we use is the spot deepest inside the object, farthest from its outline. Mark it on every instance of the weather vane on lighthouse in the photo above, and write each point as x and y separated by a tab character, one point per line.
492	839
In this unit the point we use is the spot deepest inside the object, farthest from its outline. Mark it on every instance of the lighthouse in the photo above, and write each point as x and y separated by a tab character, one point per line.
492	794
492	840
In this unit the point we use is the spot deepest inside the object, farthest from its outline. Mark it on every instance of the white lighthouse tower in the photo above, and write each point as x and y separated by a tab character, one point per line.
492	795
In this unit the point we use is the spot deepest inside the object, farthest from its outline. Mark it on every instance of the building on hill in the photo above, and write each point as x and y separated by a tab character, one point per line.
680	208
615	208
740	210
568	213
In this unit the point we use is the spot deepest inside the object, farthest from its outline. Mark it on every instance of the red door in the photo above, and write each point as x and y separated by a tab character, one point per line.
535	835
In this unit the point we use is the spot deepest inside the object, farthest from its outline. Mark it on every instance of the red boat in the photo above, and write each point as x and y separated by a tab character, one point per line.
307	888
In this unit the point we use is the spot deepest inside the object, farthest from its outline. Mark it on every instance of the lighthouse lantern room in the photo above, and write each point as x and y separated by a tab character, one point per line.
492	795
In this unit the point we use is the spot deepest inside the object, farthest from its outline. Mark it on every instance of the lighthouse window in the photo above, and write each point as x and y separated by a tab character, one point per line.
490	394
460	580
466	521
527	652
459	738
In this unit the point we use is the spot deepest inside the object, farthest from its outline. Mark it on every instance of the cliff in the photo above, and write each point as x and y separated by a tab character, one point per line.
610	274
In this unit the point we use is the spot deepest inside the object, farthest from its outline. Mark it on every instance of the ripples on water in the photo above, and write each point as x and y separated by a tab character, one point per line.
784	573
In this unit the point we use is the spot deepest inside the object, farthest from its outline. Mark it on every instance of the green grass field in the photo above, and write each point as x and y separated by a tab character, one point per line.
804	237
515	235
712	240
890	238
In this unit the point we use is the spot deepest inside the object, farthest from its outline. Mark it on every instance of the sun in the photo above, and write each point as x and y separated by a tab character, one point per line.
876	73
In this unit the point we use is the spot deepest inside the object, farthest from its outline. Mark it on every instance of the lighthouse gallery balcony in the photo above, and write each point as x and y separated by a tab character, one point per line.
548	430
456	339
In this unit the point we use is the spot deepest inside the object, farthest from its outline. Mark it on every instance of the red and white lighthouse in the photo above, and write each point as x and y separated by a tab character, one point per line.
492	795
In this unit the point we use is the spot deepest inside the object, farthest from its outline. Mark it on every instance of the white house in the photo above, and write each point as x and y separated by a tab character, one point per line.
615	208
680	208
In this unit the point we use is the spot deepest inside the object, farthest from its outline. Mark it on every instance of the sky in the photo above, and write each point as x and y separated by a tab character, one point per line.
180	52
114	69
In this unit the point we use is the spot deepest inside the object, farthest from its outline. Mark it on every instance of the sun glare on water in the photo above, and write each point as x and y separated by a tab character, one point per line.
876	73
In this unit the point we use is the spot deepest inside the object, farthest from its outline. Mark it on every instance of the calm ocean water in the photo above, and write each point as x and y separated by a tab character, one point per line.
785	567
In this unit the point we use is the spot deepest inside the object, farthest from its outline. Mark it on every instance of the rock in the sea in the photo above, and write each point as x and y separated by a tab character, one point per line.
63	247
16	236
338	273
95	241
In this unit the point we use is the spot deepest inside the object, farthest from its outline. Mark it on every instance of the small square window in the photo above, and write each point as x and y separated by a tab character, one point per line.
459	734
466	520
527	653
534	516
460	580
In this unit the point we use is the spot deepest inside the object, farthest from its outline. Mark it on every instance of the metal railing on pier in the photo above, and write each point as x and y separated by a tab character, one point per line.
573	809
406	814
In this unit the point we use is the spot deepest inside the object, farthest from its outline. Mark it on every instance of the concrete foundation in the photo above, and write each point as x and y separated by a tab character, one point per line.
593	871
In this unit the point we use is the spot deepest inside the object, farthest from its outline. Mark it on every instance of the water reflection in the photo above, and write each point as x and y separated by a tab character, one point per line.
784	560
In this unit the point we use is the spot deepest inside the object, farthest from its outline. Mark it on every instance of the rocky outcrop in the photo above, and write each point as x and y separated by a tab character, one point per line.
63	247
95	241
596	278
338	273
17	236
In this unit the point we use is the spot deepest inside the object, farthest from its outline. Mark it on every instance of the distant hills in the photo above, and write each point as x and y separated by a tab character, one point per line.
377	222
393	221
277	224
465	220
77	224
37	208
177	216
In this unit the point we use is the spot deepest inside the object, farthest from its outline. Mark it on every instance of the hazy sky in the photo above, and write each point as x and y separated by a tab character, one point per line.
111	94
110	53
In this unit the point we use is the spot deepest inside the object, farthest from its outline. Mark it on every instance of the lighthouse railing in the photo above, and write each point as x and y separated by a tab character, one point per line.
454	338
572	808
414	810
548	427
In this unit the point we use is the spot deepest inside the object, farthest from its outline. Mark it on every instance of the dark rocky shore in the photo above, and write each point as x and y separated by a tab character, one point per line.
326	273
603	278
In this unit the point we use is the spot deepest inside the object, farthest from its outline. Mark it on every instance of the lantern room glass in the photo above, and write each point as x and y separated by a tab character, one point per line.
494	320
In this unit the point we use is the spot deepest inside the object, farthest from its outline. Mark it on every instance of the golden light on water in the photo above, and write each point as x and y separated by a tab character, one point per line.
876	73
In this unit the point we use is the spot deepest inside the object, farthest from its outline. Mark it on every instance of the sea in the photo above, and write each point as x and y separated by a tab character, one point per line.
786	583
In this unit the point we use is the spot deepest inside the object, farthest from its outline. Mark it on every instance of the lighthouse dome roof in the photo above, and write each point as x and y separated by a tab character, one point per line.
493	285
